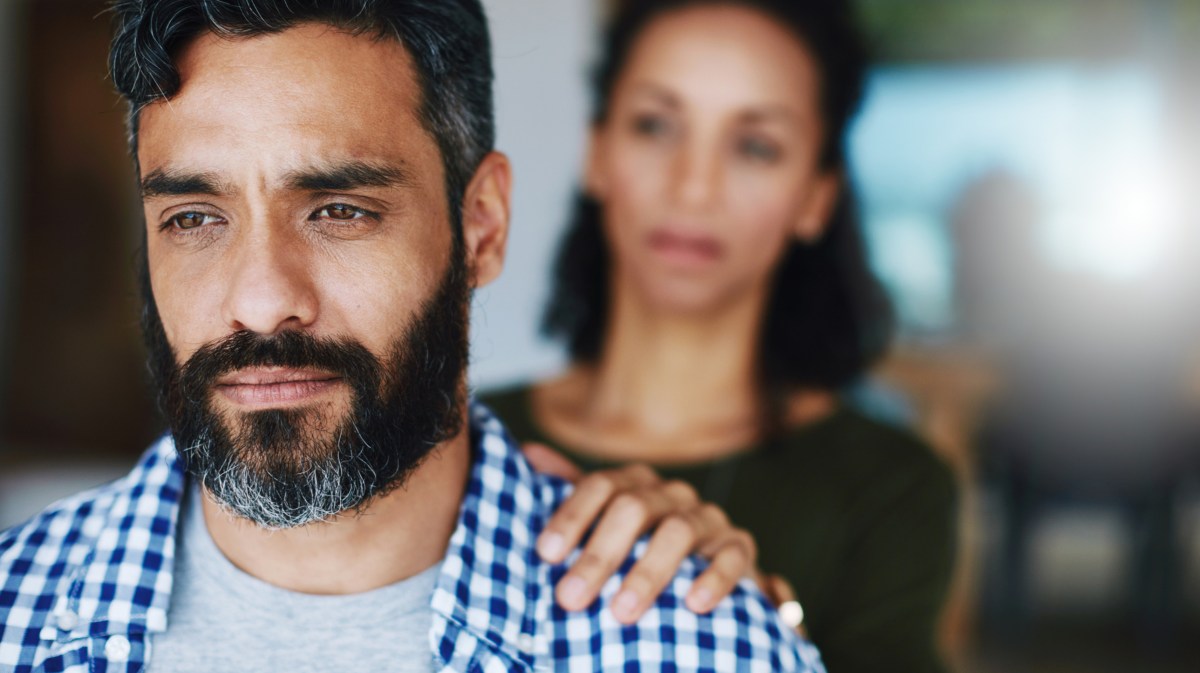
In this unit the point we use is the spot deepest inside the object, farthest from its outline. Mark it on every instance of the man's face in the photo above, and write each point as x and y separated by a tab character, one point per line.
303	270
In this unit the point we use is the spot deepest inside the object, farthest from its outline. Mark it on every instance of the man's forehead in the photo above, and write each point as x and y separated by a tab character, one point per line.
314	49
306	96
355	69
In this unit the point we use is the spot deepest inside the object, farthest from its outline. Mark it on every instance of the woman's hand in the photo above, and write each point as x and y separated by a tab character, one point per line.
623	504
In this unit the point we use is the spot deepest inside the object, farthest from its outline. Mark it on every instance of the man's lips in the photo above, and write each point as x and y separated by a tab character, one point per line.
275	386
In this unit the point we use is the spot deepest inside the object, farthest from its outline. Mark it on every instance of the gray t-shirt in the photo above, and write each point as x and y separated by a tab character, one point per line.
222	620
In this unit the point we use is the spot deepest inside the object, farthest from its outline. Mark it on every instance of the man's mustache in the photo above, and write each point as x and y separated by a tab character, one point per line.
345	358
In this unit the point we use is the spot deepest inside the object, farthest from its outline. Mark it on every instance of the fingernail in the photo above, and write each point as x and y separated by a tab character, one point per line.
571	590
550	546
625	604
699	599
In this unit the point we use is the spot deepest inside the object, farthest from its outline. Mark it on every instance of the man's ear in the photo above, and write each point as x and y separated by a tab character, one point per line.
818	207
486	210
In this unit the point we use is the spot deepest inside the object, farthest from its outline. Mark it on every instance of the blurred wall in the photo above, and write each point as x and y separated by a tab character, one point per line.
9	73
73	365
541	51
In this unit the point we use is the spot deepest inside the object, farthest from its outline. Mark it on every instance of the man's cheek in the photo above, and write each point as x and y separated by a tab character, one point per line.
189	324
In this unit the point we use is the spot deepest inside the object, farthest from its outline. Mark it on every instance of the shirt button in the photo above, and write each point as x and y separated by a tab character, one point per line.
526	643
67	620
117	648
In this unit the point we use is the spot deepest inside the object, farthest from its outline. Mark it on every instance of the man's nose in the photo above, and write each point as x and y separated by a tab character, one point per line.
270	282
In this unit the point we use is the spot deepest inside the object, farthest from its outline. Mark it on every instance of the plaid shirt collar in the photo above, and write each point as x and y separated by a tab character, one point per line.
492	593
83	584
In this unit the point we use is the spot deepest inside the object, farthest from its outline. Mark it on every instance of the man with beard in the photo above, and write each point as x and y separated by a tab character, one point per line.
320	195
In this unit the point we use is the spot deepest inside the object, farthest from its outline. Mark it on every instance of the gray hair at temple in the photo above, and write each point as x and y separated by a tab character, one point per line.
447	40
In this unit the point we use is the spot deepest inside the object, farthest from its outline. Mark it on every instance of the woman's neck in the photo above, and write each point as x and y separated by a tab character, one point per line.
668	388
669	372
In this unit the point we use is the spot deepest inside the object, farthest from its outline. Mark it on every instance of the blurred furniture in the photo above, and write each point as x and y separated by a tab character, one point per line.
948	387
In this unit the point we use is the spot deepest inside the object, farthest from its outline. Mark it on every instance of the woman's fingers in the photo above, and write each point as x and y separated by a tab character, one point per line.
620	506
668	547
732	557
548	461
628	517
584	506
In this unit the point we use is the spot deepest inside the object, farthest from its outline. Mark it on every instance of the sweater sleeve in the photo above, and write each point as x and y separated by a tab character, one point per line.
896	572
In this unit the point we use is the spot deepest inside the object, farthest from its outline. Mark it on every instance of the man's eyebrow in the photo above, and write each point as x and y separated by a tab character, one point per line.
159	182
348	175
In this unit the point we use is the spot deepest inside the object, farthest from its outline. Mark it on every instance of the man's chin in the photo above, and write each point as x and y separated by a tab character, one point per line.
280	487
297	438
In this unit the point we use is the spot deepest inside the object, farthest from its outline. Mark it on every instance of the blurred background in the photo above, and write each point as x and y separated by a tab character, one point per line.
1028	173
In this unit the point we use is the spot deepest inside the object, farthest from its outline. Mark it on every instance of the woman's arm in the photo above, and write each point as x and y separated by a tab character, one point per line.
894	578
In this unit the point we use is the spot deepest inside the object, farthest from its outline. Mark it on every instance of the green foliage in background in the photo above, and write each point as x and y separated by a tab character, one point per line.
989	30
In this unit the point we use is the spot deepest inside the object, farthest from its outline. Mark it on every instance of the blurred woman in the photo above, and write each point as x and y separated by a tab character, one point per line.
715	298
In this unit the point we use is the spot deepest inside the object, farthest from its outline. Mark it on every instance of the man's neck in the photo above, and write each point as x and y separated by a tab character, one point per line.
395	537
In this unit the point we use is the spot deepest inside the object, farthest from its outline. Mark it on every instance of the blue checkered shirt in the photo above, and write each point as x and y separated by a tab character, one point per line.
85	585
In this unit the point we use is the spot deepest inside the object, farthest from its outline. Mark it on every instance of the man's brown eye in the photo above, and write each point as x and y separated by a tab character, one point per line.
189	220
341	211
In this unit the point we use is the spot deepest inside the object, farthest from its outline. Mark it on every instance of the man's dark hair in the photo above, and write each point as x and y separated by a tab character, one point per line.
828	318
447	40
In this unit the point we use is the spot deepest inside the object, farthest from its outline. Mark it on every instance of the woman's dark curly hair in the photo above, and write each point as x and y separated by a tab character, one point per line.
828	319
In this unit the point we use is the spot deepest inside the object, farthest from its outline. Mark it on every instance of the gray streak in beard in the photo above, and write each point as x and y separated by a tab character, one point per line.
332	485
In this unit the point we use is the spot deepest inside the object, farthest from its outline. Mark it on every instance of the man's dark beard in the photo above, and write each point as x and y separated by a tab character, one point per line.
280	468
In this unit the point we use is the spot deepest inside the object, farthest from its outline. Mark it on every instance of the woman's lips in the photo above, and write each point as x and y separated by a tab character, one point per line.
274	387
684	249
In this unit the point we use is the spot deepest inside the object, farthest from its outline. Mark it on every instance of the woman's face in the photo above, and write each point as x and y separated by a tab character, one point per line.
707	162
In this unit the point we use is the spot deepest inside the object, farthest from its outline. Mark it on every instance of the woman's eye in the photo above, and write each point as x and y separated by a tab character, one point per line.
190	220
759	150
650	125
340	211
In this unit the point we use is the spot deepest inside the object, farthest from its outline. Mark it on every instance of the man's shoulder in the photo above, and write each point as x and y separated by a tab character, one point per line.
743	633
40	560
48	549
67	520
51	535
500	583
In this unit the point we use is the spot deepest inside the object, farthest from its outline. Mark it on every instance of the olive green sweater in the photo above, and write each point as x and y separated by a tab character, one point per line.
860	517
